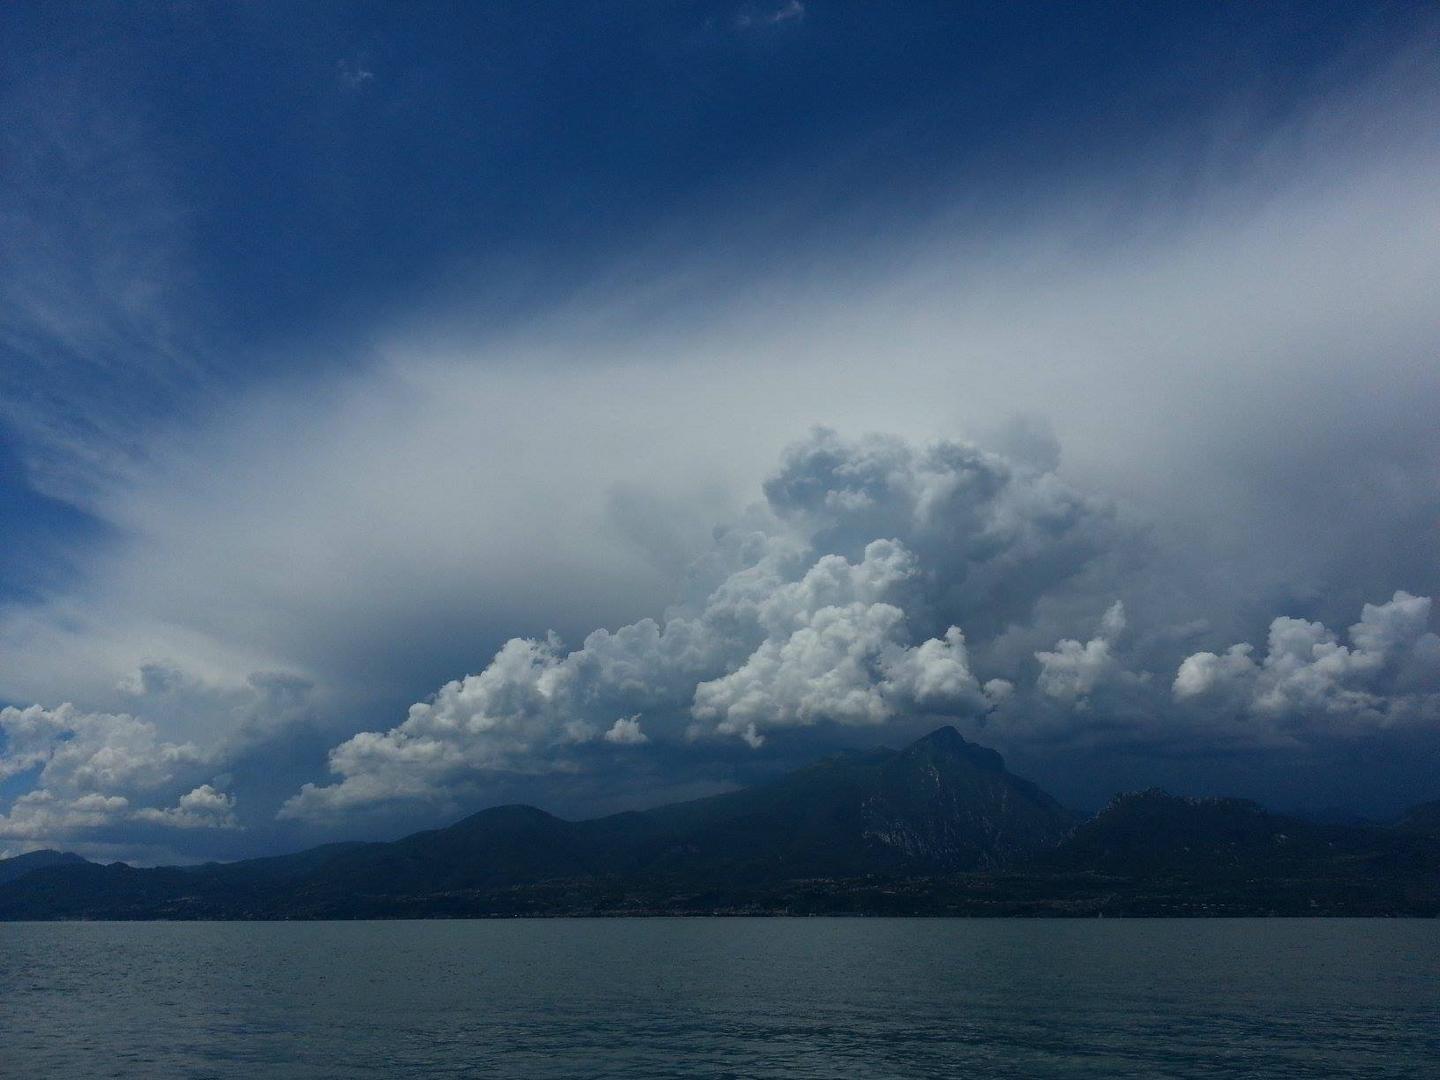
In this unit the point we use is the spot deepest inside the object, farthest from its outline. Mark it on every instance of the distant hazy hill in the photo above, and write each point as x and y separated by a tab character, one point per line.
939	827
1230	856
11	869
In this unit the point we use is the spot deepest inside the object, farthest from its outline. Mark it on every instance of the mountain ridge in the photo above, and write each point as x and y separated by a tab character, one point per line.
937	827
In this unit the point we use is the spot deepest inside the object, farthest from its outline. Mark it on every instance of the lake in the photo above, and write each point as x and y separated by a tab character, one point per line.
865	998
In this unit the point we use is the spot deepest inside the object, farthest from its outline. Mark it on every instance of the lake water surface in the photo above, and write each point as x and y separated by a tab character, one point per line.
864	998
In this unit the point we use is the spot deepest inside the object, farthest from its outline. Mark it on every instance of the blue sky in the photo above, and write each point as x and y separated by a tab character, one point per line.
341	345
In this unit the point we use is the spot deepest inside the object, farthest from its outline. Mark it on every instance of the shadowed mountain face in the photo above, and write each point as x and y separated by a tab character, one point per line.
941	805
939	827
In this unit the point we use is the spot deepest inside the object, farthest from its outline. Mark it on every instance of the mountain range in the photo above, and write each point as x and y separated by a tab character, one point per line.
938	828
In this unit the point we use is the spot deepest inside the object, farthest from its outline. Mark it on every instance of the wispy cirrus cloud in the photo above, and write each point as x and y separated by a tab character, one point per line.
789	12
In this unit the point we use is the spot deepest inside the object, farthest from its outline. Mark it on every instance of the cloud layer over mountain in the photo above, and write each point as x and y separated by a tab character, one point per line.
792	633
831	607
329	512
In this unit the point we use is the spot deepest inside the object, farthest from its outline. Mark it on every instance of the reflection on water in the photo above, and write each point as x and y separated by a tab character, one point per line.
722	997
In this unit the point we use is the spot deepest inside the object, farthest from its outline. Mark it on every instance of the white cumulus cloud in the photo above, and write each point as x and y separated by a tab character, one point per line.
97	770
831	606
1072	671
1388	674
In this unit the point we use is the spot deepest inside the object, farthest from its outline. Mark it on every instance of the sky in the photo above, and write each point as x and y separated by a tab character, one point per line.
406	409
